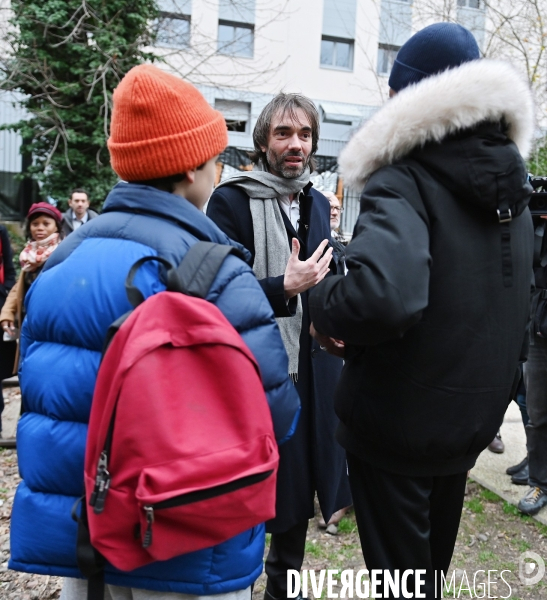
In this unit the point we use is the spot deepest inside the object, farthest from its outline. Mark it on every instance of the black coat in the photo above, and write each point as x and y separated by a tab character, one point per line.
435	304
7	349
66	225
312	460
6	257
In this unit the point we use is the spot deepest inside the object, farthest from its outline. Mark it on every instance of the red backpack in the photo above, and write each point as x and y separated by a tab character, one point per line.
181	453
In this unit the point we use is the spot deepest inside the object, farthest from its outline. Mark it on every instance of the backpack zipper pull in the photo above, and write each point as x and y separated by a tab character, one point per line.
147	541
102	483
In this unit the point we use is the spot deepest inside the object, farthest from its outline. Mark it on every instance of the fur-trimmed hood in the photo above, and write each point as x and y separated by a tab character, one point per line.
457	99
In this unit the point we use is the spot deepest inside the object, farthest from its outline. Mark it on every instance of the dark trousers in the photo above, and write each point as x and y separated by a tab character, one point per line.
7	359
406	522
535	379
286	552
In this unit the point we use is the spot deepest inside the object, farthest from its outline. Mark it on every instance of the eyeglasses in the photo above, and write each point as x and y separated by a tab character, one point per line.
336	209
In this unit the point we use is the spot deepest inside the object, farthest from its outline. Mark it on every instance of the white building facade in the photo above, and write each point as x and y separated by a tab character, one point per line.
240	53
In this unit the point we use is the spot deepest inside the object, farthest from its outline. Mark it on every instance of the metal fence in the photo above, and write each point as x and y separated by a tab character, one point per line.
351	212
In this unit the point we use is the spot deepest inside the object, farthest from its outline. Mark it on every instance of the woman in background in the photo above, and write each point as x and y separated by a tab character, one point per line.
43	234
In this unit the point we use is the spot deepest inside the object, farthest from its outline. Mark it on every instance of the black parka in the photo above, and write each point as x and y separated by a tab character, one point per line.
435	305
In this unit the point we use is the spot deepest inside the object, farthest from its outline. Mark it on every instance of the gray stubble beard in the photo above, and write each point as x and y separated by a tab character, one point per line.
276	163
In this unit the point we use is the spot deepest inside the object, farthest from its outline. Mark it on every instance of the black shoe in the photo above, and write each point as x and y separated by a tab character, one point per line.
533	502
268	596
521	477
516	468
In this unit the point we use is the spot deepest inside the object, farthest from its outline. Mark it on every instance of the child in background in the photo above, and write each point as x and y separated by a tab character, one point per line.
43	233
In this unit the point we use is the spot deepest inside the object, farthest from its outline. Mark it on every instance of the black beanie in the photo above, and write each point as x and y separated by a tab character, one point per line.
433	49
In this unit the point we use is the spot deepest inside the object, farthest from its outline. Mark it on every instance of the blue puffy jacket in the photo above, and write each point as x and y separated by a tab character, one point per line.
70	306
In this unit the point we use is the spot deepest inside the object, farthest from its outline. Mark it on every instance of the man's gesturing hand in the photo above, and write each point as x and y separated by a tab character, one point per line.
301	275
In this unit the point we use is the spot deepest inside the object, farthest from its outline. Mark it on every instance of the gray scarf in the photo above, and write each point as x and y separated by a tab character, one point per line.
272	251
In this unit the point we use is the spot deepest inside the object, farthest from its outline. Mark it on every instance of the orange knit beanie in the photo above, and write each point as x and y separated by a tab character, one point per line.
161	125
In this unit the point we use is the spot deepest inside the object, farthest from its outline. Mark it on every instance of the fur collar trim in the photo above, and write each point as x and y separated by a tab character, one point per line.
436	107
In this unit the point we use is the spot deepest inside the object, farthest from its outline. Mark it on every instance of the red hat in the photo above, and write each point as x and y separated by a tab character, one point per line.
161	126
44	208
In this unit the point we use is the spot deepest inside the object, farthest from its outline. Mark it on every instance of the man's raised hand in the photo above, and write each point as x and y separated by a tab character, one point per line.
301	275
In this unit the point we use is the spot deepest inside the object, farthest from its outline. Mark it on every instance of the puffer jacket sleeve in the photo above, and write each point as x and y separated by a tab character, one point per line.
239	297
388	260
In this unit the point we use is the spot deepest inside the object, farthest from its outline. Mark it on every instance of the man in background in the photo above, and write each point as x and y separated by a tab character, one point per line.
336	210
79	212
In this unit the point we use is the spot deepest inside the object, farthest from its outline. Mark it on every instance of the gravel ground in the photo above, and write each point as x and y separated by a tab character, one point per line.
492	536
15	585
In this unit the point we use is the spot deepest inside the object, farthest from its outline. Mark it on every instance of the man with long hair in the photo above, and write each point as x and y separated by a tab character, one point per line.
276	214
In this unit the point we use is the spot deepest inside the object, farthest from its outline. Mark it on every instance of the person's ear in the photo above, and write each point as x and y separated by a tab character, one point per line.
190	175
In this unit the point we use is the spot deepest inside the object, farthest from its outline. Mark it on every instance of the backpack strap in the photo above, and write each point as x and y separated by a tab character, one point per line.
134	295
199	267
113	330
90	561
194	276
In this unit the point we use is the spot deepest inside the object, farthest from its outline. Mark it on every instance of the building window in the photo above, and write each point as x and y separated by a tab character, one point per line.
235	39
470	3
337	121
386	57
237	114
336	53
173	30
